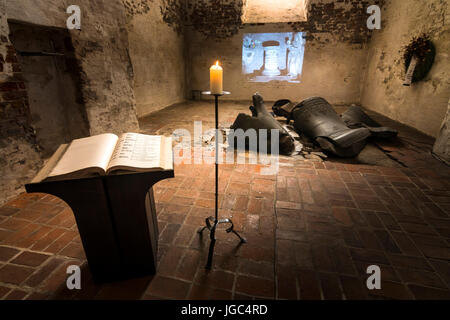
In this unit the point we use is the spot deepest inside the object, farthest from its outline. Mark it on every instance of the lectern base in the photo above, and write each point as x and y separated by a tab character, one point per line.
116	219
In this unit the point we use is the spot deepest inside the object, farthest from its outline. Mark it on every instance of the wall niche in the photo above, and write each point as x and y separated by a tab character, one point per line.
52	78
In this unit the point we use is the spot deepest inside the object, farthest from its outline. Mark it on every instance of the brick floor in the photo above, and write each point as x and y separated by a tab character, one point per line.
312	231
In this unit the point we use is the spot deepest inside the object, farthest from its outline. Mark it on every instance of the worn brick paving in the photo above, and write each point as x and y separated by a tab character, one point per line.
312	230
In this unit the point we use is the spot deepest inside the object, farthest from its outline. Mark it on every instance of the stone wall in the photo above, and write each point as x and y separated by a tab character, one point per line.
214	19
19	152
442	146
157	54
101	47
335	52
344	20
258	11
424	104
52	83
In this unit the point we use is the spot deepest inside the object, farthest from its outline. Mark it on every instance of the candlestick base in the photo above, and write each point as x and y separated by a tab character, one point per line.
211	225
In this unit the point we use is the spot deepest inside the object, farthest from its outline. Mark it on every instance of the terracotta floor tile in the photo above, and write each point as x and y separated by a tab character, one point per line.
312	228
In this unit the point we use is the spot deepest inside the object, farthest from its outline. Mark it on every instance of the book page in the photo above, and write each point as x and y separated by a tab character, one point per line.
90	152
167	151
137	151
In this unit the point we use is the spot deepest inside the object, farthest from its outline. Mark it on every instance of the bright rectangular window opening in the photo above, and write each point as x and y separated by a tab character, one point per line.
274	11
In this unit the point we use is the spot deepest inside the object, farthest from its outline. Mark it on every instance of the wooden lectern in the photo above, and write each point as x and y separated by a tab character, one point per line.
116	219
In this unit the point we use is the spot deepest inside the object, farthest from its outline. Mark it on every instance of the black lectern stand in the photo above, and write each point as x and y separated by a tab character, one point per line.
116	219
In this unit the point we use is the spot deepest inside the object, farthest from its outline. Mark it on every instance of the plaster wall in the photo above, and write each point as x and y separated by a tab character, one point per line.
332	70
106	80
424	104
20	156
57	112
335	51
257	11
442	146
157	55
101	47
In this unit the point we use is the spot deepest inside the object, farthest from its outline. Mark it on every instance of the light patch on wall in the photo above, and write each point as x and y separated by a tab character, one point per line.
273	56
273	11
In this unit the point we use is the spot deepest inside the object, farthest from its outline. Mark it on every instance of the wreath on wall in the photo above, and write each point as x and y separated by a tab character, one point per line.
425	51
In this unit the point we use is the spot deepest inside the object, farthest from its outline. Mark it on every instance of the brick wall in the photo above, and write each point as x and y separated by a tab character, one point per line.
173	13
14	107
217	19
335	54
101	49
345	20
20	158
221	19
135	7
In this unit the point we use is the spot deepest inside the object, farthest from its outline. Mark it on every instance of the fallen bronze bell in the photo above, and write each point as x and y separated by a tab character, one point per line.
283	108
355	117
316	118
262	119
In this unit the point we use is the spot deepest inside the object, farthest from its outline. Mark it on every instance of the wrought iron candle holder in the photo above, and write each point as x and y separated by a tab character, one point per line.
211	223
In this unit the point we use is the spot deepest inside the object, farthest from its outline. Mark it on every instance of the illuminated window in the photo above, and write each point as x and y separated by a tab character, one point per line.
272	11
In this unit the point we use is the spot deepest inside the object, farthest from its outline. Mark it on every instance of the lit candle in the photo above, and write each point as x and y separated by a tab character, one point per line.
216	79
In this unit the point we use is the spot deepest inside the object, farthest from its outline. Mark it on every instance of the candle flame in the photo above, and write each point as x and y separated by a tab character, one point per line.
217	63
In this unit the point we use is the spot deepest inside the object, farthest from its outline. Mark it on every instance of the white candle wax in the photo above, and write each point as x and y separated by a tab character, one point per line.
216	79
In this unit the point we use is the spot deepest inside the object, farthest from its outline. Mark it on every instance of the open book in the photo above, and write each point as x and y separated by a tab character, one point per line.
105	153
